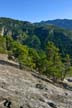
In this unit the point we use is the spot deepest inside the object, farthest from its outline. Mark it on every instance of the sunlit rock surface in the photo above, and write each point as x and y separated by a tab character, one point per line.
23	90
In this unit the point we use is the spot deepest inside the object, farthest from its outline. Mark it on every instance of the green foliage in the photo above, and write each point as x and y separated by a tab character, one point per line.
37	35
55	66
9	41
33	42
22	37
68	67
51	50
40	47
21	54
49	62
34	56
41	65
2	45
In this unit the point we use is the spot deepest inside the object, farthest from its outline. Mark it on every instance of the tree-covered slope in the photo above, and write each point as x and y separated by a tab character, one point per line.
44	48
63	23
36	35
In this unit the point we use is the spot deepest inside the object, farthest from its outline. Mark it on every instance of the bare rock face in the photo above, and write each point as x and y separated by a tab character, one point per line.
2	31
20	89
5	31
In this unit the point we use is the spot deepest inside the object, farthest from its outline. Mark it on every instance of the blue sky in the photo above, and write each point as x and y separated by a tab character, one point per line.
36	10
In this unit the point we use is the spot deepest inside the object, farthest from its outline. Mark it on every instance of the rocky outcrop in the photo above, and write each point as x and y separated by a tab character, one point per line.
5	31
20	89
2	31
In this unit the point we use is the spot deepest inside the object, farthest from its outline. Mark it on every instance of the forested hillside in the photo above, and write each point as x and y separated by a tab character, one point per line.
63	23
45	48
37	36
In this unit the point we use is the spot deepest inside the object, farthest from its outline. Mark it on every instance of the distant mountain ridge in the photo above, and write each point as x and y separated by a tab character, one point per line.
63	23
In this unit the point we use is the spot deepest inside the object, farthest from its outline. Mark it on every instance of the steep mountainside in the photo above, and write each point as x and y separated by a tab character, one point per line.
37	35
34	48
26	89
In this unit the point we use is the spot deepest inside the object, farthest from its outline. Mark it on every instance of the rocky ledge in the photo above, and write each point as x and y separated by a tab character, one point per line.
22	89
